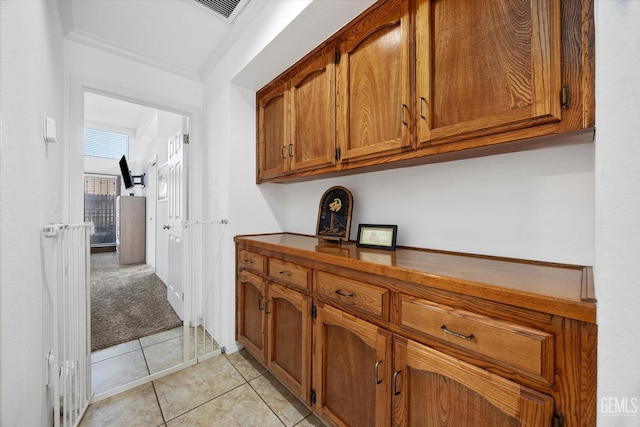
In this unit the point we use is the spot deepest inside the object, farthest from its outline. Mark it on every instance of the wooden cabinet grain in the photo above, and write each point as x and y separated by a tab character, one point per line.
352	362
422	81
250	320
273	320
289	338
431	388
433	338
272	111
373	107
486	67
296	119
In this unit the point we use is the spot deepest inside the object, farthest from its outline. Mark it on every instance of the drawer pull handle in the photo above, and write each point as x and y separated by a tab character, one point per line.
285	273
378	380
456	334
343	293
248	261
396	374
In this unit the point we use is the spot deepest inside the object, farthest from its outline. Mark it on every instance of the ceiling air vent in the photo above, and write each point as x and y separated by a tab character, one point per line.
225	8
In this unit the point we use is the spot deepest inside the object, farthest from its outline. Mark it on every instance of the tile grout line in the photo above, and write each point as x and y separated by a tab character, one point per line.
202	404
159	404
265	402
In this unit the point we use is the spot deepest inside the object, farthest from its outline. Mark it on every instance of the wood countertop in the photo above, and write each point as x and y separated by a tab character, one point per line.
559	289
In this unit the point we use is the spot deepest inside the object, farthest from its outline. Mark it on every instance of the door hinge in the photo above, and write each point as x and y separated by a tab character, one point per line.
338	153
314	312
558	420
337	56
564	98
185	138
312	396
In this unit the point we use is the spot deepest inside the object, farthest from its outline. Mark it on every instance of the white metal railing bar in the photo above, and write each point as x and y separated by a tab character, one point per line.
65	259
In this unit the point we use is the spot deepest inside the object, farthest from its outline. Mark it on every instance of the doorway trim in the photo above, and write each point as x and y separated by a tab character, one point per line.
73	167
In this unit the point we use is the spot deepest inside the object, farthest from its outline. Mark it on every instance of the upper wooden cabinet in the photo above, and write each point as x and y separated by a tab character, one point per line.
313	129
485	67
373	107
272	113
411	82
296	119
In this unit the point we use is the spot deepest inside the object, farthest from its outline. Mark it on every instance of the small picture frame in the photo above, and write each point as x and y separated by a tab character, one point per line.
377	236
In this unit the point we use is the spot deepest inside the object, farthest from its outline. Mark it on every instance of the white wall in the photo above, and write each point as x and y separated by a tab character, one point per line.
533	205
31	84
617	256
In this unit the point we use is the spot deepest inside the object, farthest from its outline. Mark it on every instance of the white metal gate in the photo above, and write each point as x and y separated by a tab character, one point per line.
66	320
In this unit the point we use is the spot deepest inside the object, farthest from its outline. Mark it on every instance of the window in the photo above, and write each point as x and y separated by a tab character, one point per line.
109	145
100	208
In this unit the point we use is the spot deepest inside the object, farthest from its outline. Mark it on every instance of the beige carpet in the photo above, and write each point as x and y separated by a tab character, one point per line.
127	302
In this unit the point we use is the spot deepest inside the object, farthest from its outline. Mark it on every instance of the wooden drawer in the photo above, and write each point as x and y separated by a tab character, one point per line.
351	293
289	273
252	261
524	348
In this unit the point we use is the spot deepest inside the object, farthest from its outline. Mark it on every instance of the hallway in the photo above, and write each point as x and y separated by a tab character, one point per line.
226	390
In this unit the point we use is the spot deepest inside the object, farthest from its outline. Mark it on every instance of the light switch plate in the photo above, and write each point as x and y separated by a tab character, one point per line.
50	130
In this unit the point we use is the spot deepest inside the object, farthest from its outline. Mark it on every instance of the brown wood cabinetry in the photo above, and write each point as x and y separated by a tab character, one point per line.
296	119
351	369
418	81
422	338
289	338
250	306
431	388
374	108
485	67
273	317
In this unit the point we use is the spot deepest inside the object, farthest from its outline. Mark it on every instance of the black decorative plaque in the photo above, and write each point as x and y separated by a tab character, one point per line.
334	214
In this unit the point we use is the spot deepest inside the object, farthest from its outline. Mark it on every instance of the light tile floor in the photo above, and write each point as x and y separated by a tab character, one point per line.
225	390
121	364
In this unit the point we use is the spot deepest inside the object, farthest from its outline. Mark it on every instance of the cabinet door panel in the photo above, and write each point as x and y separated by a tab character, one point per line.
373	74
273	131
351	370
251	313
289	325
313	141
431	388
483	67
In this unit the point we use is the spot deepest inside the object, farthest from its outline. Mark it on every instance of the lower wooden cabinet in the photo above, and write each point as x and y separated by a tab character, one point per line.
433	389
288	337
250	313
368	345
352	362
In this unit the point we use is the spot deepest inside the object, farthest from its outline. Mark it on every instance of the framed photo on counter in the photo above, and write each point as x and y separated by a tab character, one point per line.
377	236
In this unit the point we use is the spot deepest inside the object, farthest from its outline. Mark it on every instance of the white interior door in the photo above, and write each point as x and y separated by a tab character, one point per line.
177	186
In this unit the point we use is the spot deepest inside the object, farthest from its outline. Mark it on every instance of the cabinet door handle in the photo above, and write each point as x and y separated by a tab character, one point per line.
343	293
404	107
396	374
290	150
378	380
266	304
260	305
422	101
282	149
456	334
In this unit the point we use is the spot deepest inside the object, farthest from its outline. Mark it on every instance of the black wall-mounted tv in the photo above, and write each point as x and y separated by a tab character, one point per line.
126	174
